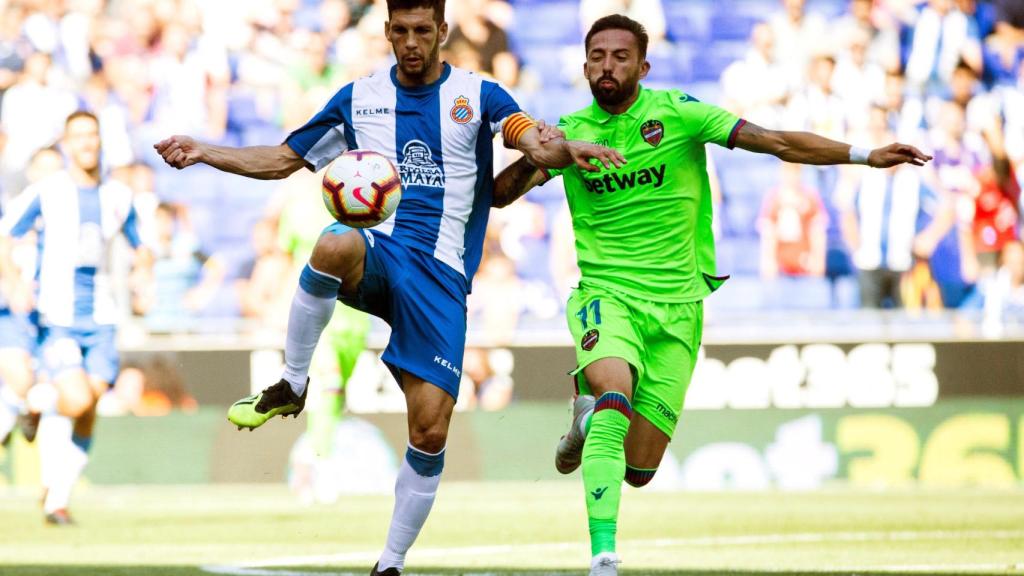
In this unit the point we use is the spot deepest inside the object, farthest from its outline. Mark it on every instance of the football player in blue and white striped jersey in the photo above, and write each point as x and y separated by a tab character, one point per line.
78	214
436	123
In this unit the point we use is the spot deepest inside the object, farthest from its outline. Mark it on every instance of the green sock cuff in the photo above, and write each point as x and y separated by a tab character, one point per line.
602	536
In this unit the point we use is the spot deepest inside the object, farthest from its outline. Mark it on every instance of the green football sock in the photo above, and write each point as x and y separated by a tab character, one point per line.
604	467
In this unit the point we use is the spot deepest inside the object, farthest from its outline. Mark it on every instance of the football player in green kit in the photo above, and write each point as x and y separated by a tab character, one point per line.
647	258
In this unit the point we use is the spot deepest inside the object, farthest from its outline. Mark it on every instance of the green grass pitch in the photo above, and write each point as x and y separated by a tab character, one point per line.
501	529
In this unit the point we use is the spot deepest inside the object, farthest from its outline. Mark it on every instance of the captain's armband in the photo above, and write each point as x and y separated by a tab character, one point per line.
514	127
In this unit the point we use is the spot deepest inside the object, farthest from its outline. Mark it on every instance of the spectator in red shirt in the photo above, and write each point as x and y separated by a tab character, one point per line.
792	226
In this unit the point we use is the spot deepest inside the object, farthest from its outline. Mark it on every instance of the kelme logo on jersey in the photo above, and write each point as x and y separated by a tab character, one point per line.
462	112
418	167
609	183
590	339
652	131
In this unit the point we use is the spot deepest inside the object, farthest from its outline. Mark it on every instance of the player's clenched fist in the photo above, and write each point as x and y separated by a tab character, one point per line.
179	151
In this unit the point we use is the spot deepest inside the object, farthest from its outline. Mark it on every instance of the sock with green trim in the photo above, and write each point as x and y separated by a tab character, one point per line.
604	467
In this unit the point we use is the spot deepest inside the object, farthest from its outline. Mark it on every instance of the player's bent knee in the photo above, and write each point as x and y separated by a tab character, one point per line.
75	403
335	254
429	439
639	477
610	375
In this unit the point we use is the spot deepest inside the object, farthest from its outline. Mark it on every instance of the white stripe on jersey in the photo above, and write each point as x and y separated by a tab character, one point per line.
376	131
69	244
458	148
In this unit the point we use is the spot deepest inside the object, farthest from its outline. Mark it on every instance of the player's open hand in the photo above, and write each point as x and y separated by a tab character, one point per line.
548	132
179	151
583	152
896	154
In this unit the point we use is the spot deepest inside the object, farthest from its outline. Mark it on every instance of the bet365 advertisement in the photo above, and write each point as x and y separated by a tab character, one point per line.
792	417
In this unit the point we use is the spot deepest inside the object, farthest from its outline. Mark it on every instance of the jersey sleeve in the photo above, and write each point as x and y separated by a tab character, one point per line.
705	122
497	105
328	134
21	216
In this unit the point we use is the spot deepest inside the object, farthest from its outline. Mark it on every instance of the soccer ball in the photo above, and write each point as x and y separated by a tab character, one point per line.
361	188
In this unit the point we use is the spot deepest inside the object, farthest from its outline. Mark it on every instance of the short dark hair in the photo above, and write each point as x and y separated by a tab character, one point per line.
81	114
620	22
437	5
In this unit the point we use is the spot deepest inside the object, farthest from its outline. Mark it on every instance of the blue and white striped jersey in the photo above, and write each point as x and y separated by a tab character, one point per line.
78	226
439	136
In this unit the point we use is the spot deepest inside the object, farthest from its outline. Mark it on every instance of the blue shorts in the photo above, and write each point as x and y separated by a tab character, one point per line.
424	302
92	349
20	331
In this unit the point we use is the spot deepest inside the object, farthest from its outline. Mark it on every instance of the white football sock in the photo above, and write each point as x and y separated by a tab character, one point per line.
42	398
312	308
414	496
54	440
59	494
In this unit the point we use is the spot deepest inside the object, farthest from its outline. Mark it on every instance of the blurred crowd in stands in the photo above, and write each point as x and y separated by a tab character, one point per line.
944	75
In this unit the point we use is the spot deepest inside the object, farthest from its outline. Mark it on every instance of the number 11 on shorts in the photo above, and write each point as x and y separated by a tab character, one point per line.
595	310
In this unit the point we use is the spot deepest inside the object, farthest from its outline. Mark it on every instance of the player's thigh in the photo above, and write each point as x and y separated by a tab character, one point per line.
673	335
428	321
341	252
608	348
429	413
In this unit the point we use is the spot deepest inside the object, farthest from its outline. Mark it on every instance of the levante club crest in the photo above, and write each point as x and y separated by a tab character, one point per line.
462	112
652	131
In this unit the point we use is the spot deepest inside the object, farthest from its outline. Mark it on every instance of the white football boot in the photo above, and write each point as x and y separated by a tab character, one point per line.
605	564
570	447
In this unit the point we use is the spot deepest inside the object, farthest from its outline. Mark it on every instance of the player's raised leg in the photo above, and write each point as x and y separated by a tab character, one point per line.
335	268
430	412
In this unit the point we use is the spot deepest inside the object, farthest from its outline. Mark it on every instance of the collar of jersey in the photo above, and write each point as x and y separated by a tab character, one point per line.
602	115
446	71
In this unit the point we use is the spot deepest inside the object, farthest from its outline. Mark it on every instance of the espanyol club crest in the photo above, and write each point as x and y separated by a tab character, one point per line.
652	131
462	112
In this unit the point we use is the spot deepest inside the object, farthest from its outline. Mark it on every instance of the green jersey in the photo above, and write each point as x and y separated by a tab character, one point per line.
645	229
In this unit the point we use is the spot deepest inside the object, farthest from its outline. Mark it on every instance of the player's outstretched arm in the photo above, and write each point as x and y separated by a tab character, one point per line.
808	148
522	133
260	162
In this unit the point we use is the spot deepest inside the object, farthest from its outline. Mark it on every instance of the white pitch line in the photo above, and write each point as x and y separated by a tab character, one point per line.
930	568
242	571
704	541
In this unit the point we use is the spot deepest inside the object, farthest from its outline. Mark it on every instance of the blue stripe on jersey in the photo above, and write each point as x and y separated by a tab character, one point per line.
497	103
85	294
418	151
476	227
89	213
28	218
317	141
131	228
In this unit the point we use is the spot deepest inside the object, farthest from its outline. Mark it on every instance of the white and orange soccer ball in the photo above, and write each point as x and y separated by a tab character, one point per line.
361	188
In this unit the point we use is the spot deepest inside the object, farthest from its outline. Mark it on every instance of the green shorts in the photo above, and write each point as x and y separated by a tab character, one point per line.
659	340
